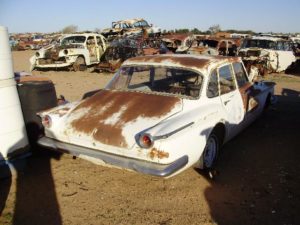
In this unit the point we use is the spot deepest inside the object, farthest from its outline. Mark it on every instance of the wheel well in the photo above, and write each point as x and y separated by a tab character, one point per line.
220	130
82	56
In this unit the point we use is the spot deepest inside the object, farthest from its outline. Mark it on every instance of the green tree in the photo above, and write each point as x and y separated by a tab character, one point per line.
69	29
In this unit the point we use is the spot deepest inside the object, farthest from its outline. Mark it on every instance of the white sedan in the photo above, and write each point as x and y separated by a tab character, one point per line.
160	114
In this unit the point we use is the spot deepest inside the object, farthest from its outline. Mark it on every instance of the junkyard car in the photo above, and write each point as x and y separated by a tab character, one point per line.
215	46
74	50
123	48
160	114
267	54
129	27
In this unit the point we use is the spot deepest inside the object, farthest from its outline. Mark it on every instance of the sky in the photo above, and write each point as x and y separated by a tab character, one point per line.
52	16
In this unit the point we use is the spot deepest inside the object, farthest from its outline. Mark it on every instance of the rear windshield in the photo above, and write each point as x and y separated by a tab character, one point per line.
160	80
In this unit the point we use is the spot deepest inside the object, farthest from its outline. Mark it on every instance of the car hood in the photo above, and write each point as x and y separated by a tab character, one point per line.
115	118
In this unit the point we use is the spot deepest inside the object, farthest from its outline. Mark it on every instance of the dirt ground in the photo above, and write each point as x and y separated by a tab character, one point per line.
258	181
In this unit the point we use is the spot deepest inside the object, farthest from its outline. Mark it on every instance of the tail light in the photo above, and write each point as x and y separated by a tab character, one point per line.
46	121
146	141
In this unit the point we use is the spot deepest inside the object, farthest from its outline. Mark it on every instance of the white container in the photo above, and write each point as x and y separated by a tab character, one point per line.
6	63
13	136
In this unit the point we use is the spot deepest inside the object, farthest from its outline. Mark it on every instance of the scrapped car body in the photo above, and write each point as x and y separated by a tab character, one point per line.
123	48
267	54
160	114
212	46
179	42
131	27
74	50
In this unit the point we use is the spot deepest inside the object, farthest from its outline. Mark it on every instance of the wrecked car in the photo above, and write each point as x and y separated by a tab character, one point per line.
124	48
178	42
215	46
160	114
74	51
131	27
267	54
210	46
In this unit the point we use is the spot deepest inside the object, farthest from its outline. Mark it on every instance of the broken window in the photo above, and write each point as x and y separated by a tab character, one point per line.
213	87
164	80
240	74
226	80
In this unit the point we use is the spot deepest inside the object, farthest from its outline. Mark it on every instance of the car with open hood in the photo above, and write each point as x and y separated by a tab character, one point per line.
160	114
74	51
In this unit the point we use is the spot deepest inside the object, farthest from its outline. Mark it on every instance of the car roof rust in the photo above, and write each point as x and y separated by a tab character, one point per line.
198	62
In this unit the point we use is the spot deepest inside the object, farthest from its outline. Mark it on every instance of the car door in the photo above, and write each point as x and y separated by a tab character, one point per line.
100	48
91	46
285	56
249	95
231	100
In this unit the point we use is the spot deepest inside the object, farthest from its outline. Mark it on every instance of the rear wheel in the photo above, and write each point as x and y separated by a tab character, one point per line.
79	64
211	151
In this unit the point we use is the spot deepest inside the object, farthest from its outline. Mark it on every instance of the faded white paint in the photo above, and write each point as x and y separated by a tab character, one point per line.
185	129
91	56
13	134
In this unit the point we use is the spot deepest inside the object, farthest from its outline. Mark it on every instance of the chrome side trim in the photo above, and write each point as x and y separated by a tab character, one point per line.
164	136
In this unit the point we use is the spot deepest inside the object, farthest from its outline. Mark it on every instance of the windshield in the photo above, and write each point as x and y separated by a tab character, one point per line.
73	40
163	80
141	23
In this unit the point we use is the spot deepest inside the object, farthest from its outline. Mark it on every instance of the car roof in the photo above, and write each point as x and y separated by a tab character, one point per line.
130	21
202	63
81	34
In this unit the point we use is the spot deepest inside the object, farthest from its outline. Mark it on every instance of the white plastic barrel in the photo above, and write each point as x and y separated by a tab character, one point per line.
13	136
6	63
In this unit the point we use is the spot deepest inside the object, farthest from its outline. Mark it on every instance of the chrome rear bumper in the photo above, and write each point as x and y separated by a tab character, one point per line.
146	167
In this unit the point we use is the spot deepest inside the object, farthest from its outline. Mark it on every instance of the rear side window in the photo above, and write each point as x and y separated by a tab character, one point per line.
226	80
240	74
213	87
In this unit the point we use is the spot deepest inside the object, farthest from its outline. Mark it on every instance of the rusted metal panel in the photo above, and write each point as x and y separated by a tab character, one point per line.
103	105
155	153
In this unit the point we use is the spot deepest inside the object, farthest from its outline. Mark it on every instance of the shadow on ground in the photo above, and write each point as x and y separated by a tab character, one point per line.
267	193
36	201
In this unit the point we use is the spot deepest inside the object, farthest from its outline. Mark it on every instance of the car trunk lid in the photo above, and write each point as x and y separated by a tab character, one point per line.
114	118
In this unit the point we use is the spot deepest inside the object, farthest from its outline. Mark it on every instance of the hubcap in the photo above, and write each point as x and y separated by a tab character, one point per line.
210	152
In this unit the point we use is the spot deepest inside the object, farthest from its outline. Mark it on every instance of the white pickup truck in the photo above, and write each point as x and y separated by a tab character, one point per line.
160	114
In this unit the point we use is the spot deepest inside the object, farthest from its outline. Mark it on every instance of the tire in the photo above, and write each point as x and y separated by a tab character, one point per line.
79	64
211	151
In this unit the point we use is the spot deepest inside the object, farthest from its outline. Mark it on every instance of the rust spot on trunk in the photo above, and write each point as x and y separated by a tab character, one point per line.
130	105
155	153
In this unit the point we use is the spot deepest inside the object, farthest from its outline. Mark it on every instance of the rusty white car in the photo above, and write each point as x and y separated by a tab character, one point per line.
160	114
75	51
267	54
131	27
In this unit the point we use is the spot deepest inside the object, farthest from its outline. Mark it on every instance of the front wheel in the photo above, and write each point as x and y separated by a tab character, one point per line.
79	64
